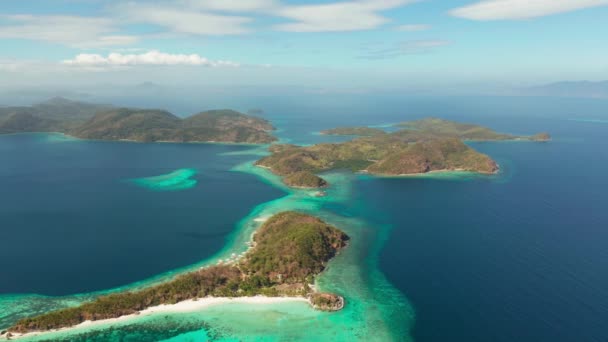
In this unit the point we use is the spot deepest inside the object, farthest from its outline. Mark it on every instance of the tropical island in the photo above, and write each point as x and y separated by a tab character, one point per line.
465	131
305	180
355	131
104	122
288	252
423	146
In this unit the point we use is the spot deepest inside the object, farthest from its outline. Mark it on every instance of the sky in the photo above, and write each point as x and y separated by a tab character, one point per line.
322	43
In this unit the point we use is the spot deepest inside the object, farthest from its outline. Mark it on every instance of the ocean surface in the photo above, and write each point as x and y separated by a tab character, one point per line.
520	256
74	221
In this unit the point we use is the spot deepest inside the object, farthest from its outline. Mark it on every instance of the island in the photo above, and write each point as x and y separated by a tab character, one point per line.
355	131
305	180
423	146
464	131
54	115
158	125
289	250
105	122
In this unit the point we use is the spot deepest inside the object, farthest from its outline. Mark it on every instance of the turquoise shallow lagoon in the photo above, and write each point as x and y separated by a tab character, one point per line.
375	310
173	181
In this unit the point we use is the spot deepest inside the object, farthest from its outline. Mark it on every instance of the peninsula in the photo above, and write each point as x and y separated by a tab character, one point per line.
104	122
289	251
423	146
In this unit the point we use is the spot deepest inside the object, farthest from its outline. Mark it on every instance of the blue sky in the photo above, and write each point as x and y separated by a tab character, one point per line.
401	42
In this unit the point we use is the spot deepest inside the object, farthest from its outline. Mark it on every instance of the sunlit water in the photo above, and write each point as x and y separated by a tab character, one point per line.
517	256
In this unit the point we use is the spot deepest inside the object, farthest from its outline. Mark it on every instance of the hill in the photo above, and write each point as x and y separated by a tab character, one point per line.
157	125
103	122
55	115
290	250
305	179
464	131
355	131
570	89
422	146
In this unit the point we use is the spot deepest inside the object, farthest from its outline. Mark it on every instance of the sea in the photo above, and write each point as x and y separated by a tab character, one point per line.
517	256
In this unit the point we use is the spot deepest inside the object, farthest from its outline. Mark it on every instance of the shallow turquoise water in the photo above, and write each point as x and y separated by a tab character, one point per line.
375	309
174	181
516	257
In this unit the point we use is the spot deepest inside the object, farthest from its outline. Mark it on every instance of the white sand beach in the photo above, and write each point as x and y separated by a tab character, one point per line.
190	305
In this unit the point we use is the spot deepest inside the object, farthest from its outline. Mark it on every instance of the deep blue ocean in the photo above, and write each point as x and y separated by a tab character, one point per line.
72	223
518	257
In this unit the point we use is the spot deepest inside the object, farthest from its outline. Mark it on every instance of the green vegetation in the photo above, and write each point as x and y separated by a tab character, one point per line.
422	146
90	121
434	155
355	131
446	128
157	125
305	179
292	247
290	250
326	301
55	115
392	154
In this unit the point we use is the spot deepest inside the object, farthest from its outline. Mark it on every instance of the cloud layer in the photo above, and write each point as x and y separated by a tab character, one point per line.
339	16
197	17
413	28
148	58
521	9
75	31
178	19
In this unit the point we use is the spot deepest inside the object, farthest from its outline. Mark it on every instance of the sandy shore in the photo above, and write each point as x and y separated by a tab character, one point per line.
190	305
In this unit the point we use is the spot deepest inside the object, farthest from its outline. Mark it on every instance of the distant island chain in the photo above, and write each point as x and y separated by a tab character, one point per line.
290	249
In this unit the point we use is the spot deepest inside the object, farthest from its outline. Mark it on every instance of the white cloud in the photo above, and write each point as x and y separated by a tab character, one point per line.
413	28
68	30
181	19
196	17
148	58
233	5
337	16
521	9
210	17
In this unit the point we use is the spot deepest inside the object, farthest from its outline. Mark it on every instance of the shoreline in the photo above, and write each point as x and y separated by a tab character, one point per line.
147	142
185	306
429	173
439	172
198	304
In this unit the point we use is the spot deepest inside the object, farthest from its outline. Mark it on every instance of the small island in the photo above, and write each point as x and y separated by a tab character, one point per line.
423	146
161	126
104	122
305	180
464	131
354	131
289	251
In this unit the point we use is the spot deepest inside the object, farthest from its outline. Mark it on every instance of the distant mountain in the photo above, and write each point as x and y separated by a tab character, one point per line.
56	114
421	146
104	122
158	125
571	89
